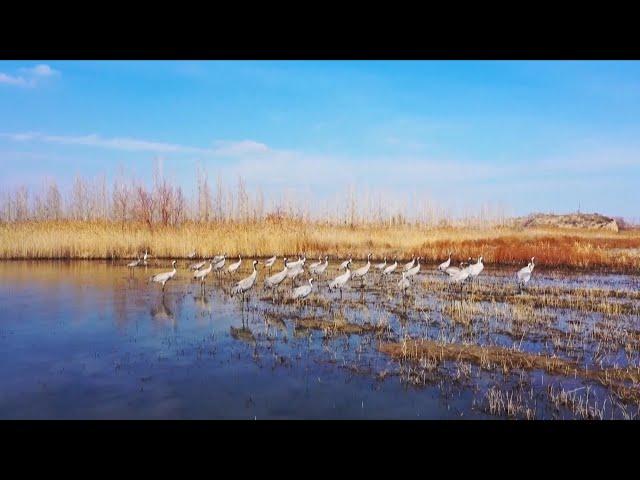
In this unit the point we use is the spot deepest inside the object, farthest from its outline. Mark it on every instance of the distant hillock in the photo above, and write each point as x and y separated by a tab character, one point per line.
593	221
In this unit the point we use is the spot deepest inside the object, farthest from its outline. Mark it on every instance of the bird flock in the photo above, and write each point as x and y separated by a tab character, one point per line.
292	269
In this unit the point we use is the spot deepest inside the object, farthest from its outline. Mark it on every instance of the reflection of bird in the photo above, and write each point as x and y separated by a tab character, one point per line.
203	303
161	311
409	265
341	280
243	334
303	291
164	277
404	283
245	284
444	265
524	274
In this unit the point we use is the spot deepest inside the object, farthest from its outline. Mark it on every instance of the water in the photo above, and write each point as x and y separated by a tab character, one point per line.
85	340
90	340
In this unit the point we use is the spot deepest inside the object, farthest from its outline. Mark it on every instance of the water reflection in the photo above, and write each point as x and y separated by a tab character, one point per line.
162	312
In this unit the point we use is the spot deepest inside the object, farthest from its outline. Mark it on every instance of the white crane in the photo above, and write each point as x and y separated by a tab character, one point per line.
297	263
217	258
302	291
219	264
444	265
146	256
198	265
245	284
164	277
461	275
276	279
362	271
233	268
294	272
345	264
341	280
269	262
381	266
454	270
315	264
414	270
409	265
135	263
320	269
202	274
476	268
524	274
391	268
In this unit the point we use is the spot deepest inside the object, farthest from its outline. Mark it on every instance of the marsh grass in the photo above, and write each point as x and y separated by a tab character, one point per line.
75	239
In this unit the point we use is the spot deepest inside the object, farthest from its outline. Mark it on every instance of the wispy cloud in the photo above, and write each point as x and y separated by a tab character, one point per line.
28	77
221	148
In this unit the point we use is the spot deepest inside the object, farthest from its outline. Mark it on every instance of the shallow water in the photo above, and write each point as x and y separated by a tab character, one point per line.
96	340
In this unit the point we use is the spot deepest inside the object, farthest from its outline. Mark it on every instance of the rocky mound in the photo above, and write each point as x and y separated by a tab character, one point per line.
574	220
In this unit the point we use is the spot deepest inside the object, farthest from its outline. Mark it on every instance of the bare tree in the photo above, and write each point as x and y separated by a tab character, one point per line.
144	206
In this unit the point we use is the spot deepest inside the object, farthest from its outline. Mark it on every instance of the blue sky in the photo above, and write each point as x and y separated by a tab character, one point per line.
533	136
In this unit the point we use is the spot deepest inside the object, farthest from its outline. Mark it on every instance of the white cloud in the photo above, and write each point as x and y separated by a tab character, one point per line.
241	148
29	77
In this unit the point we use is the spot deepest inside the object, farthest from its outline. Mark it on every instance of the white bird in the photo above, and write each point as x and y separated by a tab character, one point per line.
476	268
202	274
276	279
404	283
380	266
315	264
218	265
135	263
320	269
297	263
145	257
217	258
344	264
454	270
409	265
235	266
444	265
341	280
391	268
460	276
524	274
164	277
302	291
362	271
245	284
197	266
295	272
413	271
191	255
269	262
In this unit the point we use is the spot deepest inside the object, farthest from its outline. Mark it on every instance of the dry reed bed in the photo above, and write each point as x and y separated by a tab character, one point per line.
507	360
111	240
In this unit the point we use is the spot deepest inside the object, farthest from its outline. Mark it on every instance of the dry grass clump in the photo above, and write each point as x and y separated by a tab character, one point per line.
503	245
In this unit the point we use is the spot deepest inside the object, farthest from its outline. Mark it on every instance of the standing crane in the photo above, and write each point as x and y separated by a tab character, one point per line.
269	263
380	266
444	265
163	278
233	268
303	291
414	270
202	274
245	284
409	265
345	264
362	271
341	280
524	274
